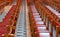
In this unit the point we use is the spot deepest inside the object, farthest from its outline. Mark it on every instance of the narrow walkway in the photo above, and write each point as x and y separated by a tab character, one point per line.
21	25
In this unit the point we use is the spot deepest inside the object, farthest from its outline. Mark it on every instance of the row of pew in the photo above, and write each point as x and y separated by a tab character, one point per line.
48	18
53	12
10	22
56	1
38	28
8	25
4	3
9	1
29	2
53	4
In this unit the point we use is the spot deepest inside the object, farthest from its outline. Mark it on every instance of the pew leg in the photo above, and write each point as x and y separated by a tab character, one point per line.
51	30
47	23
45	20
50	27
56	31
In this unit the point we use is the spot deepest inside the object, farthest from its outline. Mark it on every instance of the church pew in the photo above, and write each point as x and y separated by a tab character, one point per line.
2	5
34	19
55	15
53	4
9	31
12	25
30	2
1	1
9	13
9	1
56	1
5	22
57	28
18	3
9	35
49	16
10	20
44	15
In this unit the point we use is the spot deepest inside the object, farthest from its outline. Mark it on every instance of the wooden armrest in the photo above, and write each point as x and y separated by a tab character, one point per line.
10	21
7	28
7	35
10	29
10	35
13	27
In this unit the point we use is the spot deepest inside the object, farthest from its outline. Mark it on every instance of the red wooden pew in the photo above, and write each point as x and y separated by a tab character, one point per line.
36	24
46	16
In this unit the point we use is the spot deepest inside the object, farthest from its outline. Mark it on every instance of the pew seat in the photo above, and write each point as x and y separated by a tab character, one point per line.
41	27
44	33
35	13
40	22
38	19
35	16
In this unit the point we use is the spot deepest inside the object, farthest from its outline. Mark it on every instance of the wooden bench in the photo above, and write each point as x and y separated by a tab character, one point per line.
53	4
29	2
9	1
9	31
46	13
2	5
37	24
11	21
